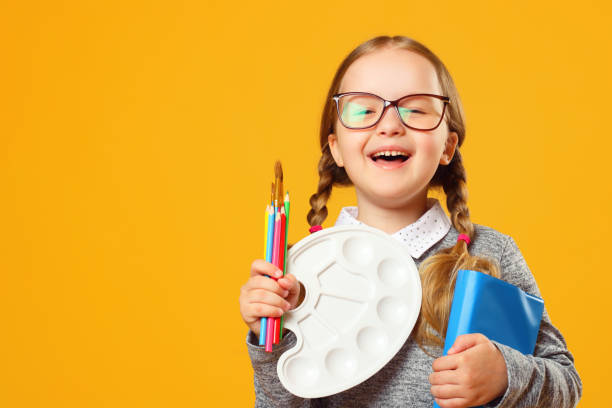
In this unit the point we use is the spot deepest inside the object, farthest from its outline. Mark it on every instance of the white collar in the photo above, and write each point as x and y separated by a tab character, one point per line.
418	236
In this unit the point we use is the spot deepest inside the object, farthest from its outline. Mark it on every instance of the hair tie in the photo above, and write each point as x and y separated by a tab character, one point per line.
315	228
464	237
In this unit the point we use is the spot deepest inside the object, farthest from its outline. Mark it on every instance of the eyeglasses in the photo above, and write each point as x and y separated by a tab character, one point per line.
361	110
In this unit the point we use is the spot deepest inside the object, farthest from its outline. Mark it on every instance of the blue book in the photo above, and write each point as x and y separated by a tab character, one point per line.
499	310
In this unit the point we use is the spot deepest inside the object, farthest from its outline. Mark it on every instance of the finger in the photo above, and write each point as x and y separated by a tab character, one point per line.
445	363
261	282
261	267
444	377
465	341
447	391
267	297
289	282
259	310
452	402
294	290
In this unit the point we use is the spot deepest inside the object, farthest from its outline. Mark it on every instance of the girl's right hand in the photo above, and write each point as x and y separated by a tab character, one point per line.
261	296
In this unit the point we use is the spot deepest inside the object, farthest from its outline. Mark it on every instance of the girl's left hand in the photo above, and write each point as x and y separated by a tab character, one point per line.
473	373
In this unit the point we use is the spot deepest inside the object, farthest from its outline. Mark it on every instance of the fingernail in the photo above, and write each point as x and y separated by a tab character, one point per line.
285	293
287	305
278	273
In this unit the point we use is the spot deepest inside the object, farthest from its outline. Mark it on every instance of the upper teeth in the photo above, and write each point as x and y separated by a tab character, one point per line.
388	153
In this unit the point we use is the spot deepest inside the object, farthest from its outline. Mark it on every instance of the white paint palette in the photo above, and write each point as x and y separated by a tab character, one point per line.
363	297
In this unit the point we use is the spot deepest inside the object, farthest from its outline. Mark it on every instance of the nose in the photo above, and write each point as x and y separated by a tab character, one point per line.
390	123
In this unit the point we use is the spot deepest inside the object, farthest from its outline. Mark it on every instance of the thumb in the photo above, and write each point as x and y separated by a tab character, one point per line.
291	284
464	342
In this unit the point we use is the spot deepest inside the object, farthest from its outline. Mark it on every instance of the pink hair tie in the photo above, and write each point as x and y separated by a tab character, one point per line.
315	228
464	237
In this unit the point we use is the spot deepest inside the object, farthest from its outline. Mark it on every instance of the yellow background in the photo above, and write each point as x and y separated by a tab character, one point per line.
137	147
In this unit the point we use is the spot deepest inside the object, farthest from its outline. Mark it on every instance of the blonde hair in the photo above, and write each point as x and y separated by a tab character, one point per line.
439	271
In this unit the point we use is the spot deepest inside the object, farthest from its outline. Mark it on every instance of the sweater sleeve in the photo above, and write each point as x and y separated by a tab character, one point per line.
547	378
269	391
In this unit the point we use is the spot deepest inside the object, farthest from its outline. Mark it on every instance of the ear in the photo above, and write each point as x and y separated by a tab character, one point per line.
332	140
449	148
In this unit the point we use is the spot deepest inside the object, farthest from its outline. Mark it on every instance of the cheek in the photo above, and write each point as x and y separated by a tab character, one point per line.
430	146
351	144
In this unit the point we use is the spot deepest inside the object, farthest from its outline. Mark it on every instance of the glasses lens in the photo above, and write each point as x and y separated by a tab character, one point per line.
359	111
421	112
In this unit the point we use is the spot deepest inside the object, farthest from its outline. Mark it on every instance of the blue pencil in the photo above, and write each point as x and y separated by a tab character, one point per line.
270	240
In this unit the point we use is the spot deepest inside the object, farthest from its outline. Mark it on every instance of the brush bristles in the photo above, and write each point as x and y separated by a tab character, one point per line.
278	191
278	170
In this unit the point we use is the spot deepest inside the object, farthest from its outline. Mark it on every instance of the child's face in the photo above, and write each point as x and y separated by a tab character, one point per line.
391	74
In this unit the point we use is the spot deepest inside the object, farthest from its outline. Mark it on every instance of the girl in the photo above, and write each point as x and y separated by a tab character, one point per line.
392	126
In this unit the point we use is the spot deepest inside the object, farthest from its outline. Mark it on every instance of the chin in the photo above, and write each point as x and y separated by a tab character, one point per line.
392	197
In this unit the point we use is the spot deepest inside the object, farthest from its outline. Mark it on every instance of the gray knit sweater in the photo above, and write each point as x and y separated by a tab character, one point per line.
546	379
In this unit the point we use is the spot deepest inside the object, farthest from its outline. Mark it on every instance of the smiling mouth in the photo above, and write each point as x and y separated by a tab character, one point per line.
399	157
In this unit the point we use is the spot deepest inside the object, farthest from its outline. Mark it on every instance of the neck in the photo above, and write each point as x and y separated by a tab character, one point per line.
391	219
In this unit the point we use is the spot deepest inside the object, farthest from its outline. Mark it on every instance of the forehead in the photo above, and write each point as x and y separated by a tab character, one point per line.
391	73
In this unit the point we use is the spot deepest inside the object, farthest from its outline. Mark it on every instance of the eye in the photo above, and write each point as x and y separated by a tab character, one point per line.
408	111
353	108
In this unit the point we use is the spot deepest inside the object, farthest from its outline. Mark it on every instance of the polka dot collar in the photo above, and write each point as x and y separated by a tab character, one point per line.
418	236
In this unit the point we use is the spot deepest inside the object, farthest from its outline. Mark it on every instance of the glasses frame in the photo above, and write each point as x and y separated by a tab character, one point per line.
336	98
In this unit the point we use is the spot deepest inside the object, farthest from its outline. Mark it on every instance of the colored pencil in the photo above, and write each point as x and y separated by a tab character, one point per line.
281	257
275	257
266	230
279	265
285	257
268	256
275	237
269	333
262	321
263	326
286	229
270	235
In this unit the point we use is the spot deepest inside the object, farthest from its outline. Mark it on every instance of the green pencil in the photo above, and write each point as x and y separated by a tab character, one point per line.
285	258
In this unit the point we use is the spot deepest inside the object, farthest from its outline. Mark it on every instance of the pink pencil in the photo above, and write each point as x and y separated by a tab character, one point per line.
275	257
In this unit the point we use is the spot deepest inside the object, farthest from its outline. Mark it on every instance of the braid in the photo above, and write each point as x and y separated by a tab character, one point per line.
329	174
455	188
439	271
